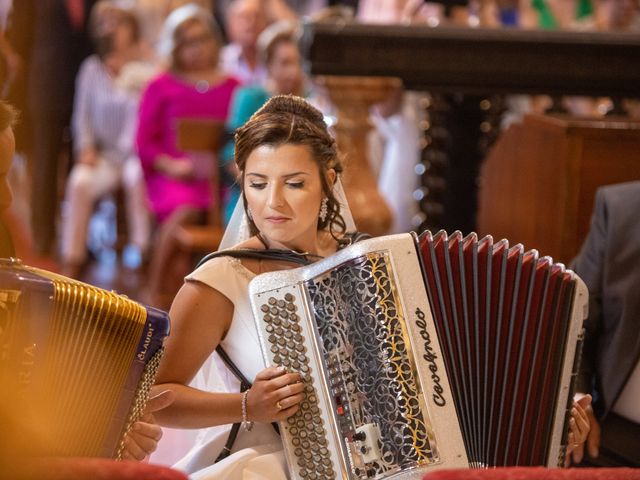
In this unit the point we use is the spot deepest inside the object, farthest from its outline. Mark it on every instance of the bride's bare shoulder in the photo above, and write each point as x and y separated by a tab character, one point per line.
251	264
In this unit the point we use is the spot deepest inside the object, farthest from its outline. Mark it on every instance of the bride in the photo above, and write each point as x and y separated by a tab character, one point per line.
292	210
291	202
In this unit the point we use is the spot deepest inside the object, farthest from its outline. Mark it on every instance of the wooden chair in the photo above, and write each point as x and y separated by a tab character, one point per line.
202	136
185	242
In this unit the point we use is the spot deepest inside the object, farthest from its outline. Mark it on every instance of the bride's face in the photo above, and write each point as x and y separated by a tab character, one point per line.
283	189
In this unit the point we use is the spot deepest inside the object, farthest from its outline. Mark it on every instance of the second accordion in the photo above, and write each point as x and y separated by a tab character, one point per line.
77	363
424	352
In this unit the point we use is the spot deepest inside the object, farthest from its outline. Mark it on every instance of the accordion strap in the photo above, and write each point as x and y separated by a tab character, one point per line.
244	386
267	254
244	383
282	255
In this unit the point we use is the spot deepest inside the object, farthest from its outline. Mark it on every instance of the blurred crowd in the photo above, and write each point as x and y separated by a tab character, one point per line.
102	87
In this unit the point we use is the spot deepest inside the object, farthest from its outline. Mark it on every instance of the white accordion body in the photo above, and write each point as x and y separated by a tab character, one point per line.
361	330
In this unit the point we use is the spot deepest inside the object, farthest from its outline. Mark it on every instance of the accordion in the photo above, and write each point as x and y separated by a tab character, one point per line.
424	352
77	361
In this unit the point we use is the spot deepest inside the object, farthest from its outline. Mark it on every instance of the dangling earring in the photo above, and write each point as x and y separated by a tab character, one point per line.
323	209
249	214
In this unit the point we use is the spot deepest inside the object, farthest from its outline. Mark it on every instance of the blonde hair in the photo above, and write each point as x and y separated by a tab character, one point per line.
283	31
169	37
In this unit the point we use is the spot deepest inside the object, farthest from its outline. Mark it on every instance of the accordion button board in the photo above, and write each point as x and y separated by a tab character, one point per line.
306	426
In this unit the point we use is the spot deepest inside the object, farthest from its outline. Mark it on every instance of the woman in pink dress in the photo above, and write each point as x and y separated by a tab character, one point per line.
192	87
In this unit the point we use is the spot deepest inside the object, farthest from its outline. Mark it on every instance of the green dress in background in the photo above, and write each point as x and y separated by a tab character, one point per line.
547	21
246	101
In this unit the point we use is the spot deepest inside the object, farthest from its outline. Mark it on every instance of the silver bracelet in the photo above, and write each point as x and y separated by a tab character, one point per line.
247	424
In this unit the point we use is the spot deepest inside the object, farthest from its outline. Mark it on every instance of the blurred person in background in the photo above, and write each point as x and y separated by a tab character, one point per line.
609	264
395	147
12	62
274	10
17	37
564	14
278	49
104	115
59	45
193	87
152	15
618	15
8	118
245	21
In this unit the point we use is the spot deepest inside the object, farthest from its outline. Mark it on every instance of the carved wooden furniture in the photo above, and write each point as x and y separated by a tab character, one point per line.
352	97
479	60
203	137
538	183
466	70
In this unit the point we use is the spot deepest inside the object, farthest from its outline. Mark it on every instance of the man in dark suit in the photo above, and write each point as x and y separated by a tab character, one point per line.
59	45
609	264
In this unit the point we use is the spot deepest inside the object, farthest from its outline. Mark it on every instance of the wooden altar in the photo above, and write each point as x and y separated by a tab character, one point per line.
479	66
538	183
479	60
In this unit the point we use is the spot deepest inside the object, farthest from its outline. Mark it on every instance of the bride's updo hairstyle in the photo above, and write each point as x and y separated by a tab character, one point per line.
287	119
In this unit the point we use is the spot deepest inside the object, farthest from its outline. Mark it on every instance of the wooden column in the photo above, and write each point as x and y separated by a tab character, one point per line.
353	96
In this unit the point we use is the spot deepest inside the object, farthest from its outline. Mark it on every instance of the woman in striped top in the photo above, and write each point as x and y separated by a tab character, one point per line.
103	124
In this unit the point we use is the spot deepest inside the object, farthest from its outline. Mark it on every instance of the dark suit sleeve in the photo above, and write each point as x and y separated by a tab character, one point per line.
589	265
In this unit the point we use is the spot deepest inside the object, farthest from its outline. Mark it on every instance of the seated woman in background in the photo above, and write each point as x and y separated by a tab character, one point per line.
103	140
178	182
278	47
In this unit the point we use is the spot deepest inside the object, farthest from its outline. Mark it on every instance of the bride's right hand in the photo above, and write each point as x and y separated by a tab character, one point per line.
275	395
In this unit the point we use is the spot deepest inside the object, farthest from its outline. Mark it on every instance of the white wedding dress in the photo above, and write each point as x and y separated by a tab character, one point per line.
258	454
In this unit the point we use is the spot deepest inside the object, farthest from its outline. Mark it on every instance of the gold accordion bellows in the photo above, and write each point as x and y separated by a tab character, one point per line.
77	360
422	353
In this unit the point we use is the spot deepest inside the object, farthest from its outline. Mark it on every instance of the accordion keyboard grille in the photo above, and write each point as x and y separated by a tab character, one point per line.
365	344
141	397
